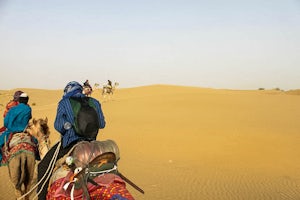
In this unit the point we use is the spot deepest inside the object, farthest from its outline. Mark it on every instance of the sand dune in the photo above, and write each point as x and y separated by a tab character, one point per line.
195	143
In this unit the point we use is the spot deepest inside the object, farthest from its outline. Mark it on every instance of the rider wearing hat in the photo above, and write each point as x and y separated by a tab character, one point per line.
16	120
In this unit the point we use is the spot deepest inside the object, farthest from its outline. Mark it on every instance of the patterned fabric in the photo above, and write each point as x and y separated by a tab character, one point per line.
112	192
116	189
17	149
18	138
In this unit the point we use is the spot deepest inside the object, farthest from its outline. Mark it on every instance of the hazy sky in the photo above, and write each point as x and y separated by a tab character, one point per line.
233	44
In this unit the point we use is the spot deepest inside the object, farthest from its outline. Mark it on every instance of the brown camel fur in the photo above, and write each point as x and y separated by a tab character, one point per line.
22	151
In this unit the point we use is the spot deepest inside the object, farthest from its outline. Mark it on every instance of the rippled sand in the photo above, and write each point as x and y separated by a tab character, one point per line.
195	143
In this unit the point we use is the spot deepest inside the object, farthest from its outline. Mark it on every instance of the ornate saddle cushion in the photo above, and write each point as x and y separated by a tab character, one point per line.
18	138
97	161
17	143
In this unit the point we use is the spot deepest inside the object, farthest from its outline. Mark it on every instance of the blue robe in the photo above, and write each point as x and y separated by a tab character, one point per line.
65	114
15	121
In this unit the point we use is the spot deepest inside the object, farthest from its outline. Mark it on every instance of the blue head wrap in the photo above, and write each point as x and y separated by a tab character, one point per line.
73	89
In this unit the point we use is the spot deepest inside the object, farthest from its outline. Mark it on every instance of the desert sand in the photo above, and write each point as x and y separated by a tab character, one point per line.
194	143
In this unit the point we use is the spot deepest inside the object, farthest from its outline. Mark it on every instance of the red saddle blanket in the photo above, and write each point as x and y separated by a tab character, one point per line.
109	185
18	143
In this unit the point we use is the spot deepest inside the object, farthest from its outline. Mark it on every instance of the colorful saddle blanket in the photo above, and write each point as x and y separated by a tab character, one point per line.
93	164
18	143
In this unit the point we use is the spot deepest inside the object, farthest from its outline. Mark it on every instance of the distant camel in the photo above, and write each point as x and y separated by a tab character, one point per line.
109	90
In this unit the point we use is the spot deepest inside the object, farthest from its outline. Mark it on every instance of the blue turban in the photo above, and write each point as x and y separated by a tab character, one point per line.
73	89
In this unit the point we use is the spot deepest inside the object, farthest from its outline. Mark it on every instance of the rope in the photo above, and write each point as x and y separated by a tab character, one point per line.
103	171
52	164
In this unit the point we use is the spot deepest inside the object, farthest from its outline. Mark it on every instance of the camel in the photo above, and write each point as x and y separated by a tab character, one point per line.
40	130
109	90
20	154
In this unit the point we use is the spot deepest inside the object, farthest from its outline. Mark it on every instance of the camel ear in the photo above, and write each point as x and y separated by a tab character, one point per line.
46	120
33	121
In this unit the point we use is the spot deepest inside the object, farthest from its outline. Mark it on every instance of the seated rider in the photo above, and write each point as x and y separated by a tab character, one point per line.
109	84
87	88
87	84
63	123
9	105
16	120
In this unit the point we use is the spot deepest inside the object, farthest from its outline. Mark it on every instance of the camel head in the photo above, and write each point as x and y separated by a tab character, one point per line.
39	128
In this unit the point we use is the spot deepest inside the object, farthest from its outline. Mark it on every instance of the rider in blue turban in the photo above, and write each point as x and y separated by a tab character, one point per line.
63	124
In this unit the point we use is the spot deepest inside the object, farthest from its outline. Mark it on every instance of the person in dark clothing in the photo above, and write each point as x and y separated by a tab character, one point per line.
87	84
87	88
64	122
109	84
